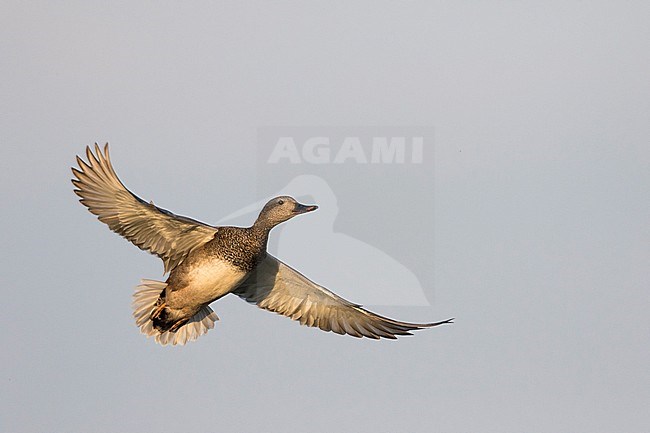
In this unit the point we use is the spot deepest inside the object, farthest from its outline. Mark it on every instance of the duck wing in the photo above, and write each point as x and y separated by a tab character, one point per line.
151	228
277	287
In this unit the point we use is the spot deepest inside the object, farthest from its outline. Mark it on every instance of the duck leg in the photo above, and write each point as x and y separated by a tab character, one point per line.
176	326
160	305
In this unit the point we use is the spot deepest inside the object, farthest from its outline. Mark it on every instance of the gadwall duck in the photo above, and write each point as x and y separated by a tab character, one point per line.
206	263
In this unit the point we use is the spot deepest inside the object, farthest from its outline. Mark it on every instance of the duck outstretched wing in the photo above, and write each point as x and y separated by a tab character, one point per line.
277	287
151	228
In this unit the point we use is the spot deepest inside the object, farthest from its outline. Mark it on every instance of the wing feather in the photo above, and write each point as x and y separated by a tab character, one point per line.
277	287
151	228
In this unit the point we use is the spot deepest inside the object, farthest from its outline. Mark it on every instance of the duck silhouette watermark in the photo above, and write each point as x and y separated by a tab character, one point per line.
371	239
374	276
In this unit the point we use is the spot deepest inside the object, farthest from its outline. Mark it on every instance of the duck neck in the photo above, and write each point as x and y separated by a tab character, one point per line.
261	230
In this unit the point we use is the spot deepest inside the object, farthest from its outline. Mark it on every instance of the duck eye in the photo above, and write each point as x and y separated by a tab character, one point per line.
280	201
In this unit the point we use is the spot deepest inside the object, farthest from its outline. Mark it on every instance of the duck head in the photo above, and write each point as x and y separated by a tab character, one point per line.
281	209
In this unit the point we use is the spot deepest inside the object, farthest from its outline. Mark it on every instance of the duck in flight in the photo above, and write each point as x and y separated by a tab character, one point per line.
205	263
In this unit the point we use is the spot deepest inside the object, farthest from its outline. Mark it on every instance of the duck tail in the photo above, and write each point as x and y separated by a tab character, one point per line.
145	301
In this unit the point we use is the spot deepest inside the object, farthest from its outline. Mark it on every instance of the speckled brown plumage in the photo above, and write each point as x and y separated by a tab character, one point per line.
244	247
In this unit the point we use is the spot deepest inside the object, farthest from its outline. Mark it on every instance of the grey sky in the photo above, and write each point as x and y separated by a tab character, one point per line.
541	222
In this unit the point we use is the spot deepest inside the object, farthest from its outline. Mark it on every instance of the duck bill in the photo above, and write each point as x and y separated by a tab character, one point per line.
301	208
